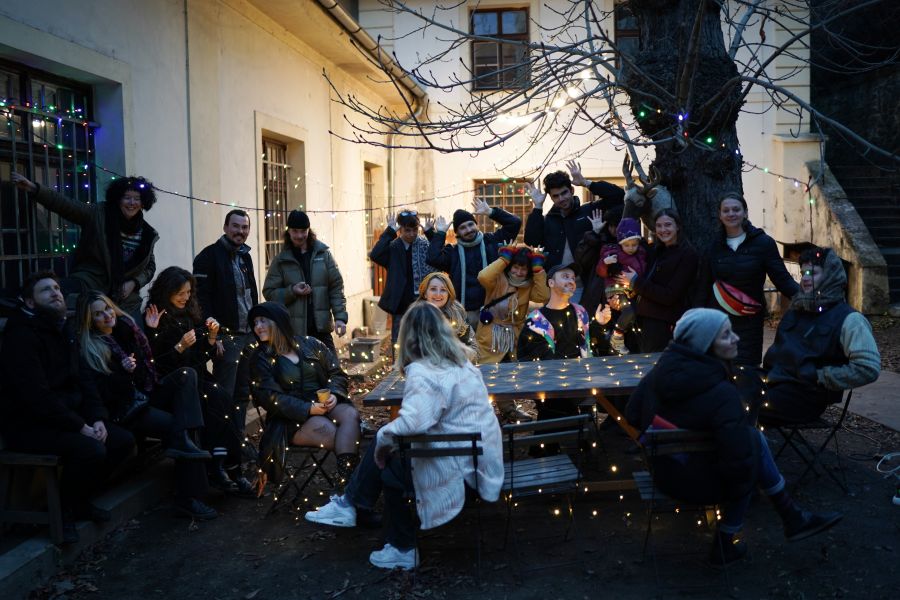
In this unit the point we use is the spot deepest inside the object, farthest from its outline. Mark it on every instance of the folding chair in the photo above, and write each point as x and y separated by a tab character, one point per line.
545	475
670	442
423	446
290	490
808	452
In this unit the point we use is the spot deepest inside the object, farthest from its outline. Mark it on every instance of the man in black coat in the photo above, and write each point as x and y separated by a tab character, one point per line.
564	225
50	405
472	252
226	291
403	252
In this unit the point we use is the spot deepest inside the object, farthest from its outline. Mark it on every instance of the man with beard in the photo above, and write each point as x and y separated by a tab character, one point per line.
50	406
472	253
226	291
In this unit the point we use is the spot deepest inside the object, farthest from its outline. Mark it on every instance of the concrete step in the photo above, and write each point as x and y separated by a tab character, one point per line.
863	202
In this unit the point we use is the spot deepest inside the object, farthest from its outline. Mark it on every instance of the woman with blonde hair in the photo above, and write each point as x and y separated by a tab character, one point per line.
443	393
118	357
516	278
437	289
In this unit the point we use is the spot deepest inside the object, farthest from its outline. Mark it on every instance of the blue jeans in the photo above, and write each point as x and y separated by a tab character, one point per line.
769	479
368	482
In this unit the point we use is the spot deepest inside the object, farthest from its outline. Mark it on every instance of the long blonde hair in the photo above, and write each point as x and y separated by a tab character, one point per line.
453	310
425	334
94	350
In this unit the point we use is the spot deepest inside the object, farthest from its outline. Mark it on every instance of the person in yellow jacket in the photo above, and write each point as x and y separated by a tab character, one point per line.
516	278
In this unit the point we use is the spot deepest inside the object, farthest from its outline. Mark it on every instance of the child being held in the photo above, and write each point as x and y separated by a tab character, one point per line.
614	258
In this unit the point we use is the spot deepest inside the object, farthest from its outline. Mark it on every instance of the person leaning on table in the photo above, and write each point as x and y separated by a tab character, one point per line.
691	388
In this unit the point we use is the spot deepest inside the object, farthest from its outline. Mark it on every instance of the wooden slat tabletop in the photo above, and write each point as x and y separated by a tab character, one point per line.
605	375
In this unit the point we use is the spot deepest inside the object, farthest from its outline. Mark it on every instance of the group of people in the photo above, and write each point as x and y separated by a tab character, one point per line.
585	283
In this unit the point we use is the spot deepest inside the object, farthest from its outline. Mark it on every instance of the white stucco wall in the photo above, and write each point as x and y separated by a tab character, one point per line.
190	89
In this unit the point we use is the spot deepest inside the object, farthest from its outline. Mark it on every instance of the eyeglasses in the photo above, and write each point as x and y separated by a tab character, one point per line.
408	213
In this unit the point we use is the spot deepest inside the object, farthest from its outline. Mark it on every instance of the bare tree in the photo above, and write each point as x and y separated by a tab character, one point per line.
679	94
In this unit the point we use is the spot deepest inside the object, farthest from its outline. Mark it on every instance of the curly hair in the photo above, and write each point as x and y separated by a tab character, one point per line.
557	179
167	284
117	188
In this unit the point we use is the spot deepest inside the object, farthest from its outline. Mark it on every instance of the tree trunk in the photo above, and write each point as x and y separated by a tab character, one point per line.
705	162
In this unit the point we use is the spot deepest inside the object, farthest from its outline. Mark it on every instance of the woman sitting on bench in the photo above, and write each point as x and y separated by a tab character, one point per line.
287	373
691	388
119	358
443	393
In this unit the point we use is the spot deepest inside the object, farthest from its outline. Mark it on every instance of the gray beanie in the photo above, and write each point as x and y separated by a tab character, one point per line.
698	328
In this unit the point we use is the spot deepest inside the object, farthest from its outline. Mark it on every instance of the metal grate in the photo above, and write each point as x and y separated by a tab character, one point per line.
46	135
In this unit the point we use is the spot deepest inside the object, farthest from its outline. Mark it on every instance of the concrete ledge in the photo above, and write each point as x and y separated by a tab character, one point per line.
833	214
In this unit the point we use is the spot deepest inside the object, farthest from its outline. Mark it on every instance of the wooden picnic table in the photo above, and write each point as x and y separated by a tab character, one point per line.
601	377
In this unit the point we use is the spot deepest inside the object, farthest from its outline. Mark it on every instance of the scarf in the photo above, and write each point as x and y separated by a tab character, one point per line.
145	355
830	290
461	248
419	249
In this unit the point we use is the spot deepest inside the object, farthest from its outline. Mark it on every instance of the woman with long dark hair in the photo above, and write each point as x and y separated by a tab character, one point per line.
115	252
288	373
179	339
119	358
691	387
663	292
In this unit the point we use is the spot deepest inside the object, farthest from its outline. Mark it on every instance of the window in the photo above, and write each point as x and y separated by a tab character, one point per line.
45	134
511	196
627	33
497	65
276	191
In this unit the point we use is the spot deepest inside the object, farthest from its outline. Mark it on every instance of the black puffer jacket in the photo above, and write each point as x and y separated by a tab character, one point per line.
45	386
694	391
746	269
665	289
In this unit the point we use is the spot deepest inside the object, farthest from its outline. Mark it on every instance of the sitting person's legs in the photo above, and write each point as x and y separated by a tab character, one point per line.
360	495
788	403
346	439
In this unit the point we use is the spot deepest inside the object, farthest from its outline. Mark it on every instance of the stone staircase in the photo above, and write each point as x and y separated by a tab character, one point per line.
875	193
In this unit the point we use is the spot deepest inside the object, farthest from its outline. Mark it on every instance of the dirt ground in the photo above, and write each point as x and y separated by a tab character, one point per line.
247	555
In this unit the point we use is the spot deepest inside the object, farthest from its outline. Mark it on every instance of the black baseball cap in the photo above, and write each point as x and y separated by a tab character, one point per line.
554	270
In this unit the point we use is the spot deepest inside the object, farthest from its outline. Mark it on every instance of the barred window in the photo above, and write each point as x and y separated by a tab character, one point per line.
510	195
46	134
627	33
276	186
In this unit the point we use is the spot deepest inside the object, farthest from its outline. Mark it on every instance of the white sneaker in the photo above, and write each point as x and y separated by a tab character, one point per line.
334	514
392	558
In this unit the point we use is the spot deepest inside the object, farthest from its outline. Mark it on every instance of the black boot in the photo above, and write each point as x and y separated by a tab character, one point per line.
245	488
726	549
183	447
803	524
218	478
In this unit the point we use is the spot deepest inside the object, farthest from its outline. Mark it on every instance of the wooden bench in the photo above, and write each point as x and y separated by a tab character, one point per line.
20	472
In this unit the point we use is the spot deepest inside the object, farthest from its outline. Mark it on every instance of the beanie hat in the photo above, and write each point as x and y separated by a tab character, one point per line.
276	313
298	220
628	229
698	328
461	216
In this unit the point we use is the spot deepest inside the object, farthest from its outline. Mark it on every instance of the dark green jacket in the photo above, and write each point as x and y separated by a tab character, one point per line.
327	284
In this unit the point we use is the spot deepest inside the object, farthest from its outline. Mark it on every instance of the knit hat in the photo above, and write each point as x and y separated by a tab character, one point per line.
628	229
298	220
461	216
276	313
698	328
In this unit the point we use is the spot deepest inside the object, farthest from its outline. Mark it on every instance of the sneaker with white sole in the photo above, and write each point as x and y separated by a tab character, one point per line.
390	557
335	513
